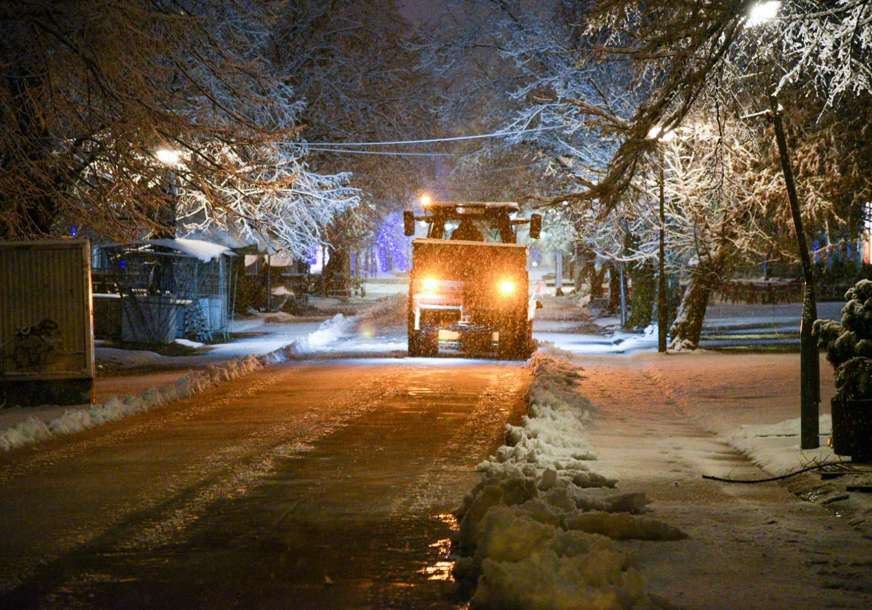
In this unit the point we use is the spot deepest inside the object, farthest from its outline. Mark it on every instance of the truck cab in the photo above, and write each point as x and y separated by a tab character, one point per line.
468	288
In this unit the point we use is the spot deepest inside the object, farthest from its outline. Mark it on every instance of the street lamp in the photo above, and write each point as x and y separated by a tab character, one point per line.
759	14
658	135
166	214
168	156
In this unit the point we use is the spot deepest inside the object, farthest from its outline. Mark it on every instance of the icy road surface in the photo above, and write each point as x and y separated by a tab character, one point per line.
306	485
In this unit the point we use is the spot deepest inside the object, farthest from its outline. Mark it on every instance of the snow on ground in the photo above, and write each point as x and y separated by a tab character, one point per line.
592	344
750	400
539	530
775	447
727	325
380	329
205	251
329	332
28	425
119	358
263	336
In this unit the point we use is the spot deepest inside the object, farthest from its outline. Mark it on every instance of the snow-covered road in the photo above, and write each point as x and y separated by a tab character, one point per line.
306	485
328	481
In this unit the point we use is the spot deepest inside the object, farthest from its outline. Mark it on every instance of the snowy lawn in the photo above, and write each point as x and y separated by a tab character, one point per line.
540	529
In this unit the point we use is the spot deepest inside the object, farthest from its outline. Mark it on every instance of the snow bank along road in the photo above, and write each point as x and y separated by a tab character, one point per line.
305	485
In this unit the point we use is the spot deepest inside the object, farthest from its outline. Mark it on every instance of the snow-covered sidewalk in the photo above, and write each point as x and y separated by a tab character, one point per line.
178	377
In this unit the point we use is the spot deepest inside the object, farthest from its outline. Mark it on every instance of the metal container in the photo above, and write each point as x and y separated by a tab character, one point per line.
152	319
46	322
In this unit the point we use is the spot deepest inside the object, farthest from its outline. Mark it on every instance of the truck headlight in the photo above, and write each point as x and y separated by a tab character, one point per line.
506	287
430	284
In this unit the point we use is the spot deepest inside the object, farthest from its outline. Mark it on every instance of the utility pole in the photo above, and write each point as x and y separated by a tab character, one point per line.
558	273
662	313
268	283
623	296
809	356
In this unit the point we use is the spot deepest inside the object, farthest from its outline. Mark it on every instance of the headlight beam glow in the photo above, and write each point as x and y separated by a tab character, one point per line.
506	287
430	284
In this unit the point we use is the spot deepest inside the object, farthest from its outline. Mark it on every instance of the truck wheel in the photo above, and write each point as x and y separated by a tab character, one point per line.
422	344
531	342
513	343
414	348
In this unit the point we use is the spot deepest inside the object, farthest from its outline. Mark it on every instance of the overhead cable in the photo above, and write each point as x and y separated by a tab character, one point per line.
384	153
479	136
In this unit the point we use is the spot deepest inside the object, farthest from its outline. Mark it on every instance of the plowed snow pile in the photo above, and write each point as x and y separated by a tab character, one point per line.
388	312
539	530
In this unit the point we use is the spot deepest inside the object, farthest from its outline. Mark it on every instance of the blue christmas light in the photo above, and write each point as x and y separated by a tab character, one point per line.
391	249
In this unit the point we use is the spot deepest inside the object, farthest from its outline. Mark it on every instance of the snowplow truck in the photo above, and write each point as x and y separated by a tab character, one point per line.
469	289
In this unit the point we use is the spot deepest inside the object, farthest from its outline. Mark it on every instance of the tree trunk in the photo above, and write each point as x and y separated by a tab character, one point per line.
336	272
614	288
644	293
596	280
687	328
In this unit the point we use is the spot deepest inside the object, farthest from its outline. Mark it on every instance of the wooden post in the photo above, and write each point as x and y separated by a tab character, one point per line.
809	356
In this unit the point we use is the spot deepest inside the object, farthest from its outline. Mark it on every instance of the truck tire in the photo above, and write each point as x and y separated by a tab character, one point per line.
531	342
422	344
514	343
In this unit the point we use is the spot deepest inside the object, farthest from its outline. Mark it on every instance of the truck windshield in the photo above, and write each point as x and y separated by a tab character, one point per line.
470	228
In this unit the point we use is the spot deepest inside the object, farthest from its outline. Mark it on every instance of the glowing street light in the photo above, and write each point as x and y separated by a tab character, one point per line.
762	12
168	156
166	214
425	200
657	133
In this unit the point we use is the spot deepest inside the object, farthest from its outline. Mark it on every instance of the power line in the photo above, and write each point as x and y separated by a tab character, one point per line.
383	153
480	136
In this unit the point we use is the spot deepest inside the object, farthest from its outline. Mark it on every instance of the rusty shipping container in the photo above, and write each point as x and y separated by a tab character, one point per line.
46	326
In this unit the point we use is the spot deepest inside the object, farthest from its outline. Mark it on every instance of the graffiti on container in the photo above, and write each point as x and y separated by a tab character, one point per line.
33	345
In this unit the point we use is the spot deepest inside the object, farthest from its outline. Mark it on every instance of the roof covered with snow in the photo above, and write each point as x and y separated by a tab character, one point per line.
202	250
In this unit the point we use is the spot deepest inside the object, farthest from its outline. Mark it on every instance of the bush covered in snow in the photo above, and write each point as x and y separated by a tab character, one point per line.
849	344
538	530
196	324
